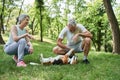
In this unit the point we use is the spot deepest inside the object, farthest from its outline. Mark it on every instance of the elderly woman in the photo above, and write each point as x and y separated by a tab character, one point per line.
19	41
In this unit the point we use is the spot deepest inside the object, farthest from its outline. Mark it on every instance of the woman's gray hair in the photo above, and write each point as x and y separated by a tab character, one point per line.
72	22
20	18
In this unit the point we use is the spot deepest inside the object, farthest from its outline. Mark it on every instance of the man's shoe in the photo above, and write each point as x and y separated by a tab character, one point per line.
85	61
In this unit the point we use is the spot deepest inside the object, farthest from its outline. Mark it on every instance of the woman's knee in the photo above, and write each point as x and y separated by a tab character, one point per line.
22	41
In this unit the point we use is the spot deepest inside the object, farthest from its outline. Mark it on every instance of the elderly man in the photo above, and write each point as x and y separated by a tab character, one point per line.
78	38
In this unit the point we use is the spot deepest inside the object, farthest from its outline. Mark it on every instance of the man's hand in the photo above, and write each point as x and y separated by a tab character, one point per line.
75	37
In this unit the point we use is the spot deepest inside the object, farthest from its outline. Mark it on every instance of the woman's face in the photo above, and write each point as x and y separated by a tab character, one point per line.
25	21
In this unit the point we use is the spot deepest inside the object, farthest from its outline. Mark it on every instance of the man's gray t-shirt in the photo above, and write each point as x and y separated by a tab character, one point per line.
69	35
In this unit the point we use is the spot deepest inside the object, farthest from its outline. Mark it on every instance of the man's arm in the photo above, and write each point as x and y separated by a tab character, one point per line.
60	44
85	34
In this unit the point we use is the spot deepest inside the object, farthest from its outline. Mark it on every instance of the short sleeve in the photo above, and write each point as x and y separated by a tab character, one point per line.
62	33
81	27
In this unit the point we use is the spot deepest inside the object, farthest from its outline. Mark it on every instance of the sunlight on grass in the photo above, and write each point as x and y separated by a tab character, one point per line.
35	44
50	41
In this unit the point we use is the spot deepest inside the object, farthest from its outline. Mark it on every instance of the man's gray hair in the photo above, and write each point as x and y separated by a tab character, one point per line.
20	18
72	22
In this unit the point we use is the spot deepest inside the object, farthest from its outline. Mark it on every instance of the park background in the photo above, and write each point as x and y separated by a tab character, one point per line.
47	18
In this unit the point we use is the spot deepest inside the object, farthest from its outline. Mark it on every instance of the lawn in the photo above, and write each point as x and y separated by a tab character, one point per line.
103	66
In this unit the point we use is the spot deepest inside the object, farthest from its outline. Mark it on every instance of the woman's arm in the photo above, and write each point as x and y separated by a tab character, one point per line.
14	34
28	42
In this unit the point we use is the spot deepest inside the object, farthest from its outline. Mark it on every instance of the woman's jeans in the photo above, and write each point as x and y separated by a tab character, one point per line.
19	49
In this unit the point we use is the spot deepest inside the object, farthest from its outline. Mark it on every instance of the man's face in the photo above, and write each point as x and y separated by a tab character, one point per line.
72	28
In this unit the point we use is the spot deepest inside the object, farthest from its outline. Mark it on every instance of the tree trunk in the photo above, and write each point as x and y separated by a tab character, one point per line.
1	23
8	17
21	7
32	23
41	35
99	36
114	26
1	40
2	17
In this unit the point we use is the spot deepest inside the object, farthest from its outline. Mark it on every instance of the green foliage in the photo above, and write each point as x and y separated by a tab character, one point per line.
95	20
103	66
39	3
117	12
55	14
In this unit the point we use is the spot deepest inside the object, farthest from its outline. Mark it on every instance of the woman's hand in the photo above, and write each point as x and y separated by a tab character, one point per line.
28	35
30	50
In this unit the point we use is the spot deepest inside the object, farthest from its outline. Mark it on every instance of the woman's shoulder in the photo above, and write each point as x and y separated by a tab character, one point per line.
13	27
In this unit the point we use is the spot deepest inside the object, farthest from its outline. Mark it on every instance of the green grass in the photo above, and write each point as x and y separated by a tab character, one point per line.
103	66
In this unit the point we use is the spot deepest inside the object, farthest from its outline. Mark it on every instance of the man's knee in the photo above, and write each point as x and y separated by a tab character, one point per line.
87	41
58	50
55	50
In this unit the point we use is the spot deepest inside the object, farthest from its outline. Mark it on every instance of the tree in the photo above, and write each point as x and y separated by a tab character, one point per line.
1	22
21	7
93	17
39	6
114	26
